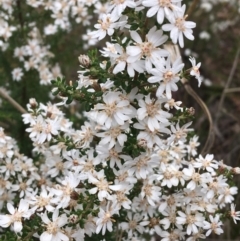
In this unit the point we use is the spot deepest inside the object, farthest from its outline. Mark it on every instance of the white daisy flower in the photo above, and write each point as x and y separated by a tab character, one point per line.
234	214
103	187
167	76
132	224
17	74
149	48
116	134
105	221
207	163
15	216
106	26
214	225
195	70
113	110
118	6
53	228
193	220
179	26
151	111
151	192
163	8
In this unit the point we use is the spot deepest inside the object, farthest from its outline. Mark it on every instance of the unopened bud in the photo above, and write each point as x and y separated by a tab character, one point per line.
103	65
74	195
142	143
73	218
33	103
41	182
75	163
236	170
49	114
221	170
73	203
191	111
96	86
84	60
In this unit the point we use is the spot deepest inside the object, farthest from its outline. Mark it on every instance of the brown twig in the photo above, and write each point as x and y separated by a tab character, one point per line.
192	7
4	95
4	125
232	90
175	53
229	80
210	139
20	17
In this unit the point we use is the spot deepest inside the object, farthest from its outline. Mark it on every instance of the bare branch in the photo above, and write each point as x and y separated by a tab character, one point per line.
210	139
229	80
4	95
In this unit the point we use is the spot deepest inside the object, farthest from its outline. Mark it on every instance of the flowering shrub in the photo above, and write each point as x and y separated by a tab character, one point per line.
132	169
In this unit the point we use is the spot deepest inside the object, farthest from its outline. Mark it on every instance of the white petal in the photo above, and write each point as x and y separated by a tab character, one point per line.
133	50
188	35
130	70
160	16
152	11
23	206
93	190
62	236
180	40
167	27
174	35
46	236
119	67
190	24
154	79
17	227
121	139
10	208
136	37
55	215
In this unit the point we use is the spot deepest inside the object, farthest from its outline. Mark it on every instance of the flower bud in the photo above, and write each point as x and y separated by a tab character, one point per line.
41	182
96	86
74	195
191	111
221	170
73	218
142	143
236	170
84	60
49	114
103	64
33	103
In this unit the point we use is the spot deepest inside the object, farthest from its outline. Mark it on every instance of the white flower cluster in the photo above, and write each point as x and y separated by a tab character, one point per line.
131	169
35	53
200	183
44	121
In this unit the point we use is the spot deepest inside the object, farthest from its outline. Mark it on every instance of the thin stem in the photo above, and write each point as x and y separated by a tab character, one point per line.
229	80
4	125
20	17
30	235
117	230
24	87
4	95
231	90
210	139
192	7
120	236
